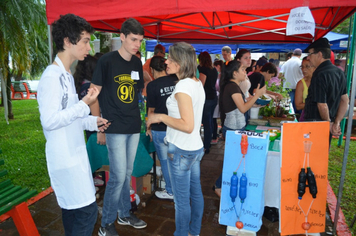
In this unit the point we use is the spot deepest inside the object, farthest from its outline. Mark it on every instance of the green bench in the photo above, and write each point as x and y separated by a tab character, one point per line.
12	203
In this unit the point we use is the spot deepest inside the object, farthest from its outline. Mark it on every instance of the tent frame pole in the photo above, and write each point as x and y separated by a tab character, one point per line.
348	71
348	132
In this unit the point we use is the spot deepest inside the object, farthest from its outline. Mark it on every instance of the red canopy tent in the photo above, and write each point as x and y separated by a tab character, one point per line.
206	21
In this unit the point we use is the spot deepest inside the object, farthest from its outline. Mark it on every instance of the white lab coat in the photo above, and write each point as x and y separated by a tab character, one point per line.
63	118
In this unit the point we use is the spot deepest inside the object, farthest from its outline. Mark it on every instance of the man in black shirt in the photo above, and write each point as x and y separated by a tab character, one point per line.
327	96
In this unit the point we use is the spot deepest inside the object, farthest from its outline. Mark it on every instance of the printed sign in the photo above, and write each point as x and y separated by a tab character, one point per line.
253	165
300	21
304	144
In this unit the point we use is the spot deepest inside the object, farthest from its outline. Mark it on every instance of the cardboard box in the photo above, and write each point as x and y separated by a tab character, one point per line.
147	184
106	170
137	185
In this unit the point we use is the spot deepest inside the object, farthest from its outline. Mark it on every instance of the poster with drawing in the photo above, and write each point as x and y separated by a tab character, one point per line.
304	174
242	190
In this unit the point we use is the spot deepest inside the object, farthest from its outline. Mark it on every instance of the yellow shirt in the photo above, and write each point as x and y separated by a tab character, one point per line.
305	90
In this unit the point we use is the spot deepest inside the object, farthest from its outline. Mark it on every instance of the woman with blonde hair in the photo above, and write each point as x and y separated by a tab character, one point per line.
185	147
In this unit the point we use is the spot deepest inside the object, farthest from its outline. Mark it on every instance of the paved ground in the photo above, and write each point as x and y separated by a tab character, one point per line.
159	214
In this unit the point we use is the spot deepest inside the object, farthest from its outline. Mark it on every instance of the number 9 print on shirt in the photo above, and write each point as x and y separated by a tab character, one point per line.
125	91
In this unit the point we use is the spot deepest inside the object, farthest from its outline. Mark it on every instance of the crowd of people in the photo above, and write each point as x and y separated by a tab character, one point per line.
181	96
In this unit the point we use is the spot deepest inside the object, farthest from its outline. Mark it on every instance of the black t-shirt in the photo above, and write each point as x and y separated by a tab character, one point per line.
158	91
327	85
255	79
209	86
121	81
227	101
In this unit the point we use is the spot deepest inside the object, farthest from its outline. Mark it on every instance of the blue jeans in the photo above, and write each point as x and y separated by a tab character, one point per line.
207	121
162	152
122	151
81	221
184	170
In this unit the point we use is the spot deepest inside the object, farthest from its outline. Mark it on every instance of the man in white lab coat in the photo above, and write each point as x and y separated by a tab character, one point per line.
63	118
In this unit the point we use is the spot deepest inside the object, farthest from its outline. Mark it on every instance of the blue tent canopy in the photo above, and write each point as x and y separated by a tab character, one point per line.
338	41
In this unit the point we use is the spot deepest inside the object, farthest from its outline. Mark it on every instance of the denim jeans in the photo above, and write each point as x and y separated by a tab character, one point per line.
81	221
122	151
207	121
184	170
162	152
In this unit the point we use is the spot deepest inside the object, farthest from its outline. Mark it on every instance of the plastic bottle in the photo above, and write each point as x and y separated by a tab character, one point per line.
301	183
311	182
244	144
243	187
141	106
233	186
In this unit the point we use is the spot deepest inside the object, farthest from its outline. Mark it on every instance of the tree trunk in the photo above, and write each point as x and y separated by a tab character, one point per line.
8	92
7	73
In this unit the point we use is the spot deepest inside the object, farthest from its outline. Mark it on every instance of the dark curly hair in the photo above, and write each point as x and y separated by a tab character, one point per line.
205	60
158	63
227	72
69	26
131	25
84	71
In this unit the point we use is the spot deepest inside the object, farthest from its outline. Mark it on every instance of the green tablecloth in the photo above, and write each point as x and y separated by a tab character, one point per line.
98	155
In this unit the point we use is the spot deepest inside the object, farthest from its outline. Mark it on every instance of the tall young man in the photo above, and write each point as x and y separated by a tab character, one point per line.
63	118
118	77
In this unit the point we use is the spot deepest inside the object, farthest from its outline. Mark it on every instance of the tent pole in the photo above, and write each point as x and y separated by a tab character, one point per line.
348	74
348	132
50	49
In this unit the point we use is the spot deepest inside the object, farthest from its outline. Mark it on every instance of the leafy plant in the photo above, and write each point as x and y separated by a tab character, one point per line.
279	88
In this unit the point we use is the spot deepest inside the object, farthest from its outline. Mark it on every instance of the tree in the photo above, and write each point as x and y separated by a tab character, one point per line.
343	27
23	37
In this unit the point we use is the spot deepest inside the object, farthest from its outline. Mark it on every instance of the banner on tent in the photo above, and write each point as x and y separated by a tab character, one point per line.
300	21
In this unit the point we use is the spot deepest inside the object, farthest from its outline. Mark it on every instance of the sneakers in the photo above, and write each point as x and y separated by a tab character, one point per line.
133	221
109	230
214	141
164	195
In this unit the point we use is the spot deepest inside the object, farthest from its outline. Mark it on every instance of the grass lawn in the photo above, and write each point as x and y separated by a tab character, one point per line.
23	148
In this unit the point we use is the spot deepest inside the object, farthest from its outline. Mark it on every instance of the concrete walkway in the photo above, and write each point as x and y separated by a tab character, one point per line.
159	214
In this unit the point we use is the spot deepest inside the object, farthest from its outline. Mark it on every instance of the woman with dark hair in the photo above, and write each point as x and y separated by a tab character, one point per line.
185	147
244	56
208	76
158	91
82	79
232	99
83	75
